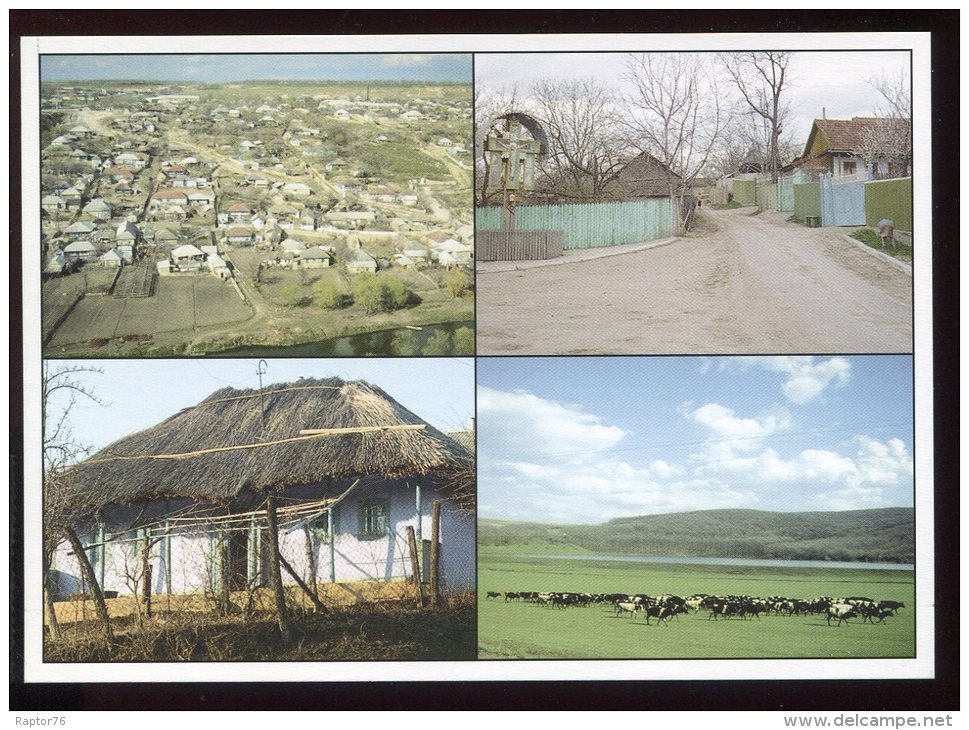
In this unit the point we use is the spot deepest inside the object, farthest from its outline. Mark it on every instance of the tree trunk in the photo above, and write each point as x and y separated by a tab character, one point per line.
275	577
88	572
55	627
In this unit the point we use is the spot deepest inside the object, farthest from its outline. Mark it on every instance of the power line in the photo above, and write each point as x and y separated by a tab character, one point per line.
728	439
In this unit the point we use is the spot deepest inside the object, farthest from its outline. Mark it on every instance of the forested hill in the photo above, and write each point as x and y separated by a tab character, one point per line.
874	535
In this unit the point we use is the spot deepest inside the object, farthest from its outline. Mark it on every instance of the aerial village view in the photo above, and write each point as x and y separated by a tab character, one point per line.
251	205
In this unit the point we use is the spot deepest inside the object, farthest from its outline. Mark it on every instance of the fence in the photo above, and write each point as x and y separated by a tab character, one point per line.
745	192
195	567
590	225
518	245
766	196
785	190
842	201
807	201
890	199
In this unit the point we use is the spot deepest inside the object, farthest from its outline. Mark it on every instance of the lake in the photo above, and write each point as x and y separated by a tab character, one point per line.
401	341
734	561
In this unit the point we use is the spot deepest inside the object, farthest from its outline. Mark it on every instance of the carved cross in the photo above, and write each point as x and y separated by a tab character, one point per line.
513	158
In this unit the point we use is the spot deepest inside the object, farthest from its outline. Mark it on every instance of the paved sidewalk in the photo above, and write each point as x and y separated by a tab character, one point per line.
571	257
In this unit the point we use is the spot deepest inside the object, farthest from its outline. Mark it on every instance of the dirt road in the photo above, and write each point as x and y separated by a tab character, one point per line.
742	285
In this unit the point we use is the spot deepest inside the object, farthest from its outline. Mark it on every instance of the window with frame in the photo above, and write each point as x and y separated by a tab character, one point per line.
848	168
374	518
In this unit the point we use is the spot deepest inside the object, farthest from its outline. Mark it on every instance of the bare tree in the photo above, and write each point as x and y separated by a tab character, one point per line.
675	114
582	120
60	390
889	137
761	78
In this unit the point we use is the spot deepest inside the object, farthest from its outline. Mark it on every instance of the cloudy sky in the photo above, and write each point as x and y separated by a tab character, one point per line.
220	68
834	81
141	393
584	440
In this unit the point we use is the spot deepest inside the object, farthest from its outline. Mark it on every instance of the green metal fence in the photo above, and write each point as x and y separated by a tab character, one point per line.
807	201
767	196
745	192
590	225
889	199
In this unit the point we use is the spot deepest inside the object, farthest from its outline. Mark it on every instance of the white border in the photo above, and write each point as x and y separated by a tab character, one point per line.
920	667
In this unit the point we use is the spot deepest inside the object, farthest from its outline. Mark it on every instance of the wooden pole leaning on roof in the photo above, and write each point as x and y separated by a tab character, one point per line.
415	567
272	533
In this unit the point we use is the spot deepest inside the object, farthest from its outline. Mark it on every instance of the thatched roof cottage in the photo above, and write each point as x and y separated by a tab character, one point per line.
348	467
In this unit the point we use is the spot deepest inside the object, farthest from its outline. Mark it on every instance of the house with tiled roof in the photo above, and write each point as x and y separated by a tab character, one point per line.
840	146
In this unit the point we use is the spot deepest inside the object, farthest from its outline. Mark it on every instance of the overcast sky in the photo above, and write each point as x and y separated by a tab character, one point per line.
834	81
220	68
141	393
584	440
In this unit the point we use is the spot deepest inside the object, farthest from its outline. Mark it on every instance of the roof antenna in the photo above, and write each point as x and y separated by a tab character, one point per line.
261	370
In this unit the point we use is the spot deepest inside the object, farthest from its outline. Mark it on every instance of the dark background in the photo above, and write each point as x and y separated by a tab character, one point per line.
941	693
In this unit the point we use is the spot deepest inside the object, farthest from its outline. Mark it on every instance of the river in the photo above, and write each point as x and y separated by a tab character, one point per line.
402	342
753	563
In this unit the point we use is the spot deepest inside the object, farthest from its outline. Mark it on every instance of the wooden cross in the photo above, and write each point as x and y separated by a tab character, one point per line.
513	158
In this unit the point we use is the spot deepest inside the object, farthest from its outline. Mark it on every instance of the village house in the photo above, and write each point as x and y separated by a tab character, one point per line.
81	252
97	209
839	147
238	213
165	199
239	236
53	204
79	230
187	258
111	259
359	261
351	218
316	258
348	469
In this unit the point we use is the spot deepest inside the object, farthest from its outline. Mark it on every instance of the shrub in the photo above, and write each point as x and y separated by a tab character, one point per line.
438	344
291	295
463	341
456	282
329	295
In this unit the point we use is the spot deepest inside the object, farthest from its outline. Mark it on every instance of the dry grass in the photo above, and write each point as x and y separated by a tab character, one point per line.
389	630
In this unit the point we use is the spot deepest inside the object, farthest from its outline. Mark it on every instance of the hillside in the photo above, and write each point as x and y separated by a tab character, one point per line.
876	535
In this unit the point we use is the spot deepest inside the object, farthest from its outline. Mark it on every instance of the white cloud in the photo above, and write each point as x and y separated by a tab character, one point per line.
547	461
524	427
741	432
807	379
403	60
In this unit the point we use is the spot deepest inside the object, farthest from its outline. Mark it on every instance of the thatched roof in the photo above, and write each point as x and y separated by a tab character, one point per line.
231	417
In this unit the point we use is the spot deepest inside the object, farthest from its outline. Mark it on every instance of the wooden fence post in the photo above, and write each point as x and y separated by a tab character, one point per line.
435	551
414	566
272	533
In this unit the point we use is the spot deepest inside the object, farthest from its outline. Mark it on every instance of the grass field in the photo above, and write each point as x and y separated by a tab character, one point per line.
529	631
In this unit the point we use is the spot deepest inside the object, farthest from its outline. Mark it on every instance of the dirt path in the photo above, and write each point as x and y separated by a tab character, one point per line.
745	285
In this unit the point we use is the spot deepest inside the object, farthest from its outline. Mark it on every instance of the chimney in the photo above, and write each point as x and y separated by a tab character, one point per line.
824	113
471	423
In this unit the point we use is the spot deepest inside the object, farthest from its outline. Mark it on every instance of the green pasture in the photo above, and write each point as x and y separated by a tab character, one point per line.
528	631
